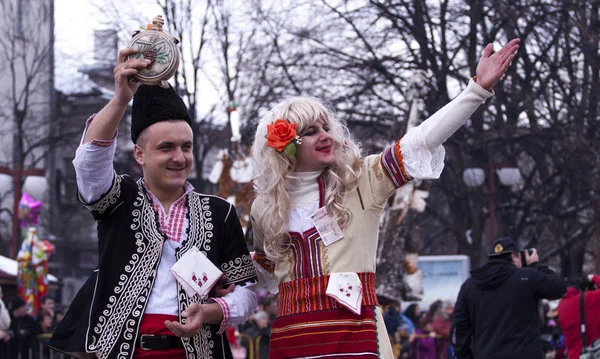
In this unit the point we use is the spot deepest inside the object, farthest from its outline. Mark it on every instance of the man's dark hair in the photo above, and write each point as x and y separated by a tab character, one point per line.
504	256
581	282
45	299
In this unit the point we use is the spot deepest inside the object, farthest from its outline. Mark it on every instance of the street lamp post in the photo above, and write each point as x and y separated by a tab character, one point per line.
474	177
492	202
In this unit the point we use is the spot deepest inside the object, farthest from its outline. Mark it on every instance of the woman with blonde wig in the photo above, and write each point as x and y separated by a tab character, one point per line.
317	209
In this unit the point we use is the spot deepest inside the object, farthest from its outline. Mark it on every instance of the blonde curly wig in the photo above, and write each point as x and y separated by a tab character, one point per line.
272	169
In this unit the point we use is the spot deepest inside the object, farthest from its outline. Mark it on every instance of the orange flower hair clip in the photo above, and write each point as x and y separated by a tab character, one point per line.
281	135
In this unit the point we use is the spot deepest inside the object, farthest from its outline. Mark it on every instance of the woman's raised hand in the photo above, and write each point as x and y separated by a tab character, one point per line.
491	67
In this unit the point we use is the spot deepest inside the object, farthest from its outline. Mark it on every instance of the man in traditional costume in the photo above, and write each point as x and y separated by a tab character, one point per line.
132	305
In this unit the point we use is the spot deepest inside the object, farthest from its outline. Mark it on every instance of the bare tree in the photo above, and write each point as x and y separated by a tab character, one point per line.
358	55
28	128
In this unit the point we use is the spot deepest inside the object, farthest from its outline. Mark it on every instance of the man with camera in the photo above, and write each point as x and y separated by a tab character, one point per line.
496	312
569	318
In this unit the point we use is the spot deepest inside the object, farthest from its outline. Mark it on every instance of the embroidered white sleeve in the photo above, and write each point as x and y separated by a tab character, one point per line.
422	150
266	279
241	304
94	168
418	160
442	124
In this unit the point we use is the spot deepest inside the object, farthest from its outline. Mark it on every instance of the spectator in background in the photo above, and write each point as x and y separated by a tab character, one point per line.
442	321
404	341
423	340
434	309
413	313
271	306
568	313
552	337
58	315
259	329
496	313
406	321
401	319
4	327
47	304
392	321
45	321
24	330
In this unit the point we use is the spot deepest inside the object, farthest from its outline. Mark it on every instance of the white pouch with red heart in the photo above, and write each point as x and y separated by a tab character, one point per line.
346	289
196	273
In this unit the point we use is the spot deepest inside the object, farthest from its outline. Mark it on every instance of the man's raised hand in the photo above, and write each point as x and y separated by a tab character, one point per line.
125	89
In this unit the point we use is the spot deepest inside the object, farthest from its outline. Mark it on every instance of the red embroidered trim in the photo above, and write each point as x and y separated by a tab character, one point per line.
309	294
172	226
102	143
226	314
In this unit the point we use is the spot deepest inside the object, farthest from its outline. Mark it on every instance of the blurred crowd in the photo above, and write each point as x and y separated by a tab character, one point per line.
23	335
413	332
425	334
420	334
251	338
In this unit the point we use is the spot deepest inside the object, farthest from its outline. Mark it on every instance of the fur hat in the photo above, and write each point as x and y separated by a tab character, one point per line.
152	104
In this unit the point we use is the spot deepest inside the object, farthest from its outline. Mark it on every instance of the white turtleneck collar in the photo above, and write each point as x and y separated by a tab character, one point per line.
303	187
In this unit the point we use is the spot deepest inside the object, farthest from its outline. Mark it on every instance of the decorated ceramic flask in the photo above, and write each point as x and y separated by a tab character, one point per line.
160	48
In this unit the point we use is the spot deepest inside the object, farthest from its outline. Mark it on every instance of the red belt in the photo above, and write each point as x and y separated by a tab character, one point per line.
154	333
309	294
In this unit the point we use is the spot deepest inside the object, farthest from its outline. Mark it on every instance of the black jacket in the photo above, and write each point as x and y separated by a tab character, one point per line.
104	317
496	313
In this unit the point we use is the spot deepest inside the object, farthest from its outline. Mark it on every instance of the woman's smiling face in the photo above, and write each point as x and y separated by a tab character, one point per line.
317	150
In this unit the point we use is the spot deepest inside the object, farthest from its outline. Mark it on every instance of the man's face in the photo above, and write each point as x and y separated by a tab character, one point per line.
272	308
516	258
165	152
48	304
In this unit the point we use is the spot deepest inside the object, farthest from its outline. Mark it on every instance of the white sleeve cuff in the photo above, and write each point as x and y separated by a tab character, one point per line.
266	279
226	314
237	306
94	167
420	162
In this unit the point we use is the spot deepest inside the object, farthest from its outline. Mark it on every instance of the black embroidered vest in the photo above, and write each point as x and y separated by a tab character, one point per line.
105	315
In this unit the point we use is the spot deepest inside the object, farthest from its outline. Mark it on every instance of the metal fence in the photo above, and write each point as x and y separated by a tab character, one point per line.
253	346
36	348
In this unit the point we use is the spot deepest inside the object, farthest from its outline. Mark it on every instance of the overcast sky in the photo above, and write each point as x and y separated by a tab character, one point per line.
74	38
74	25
